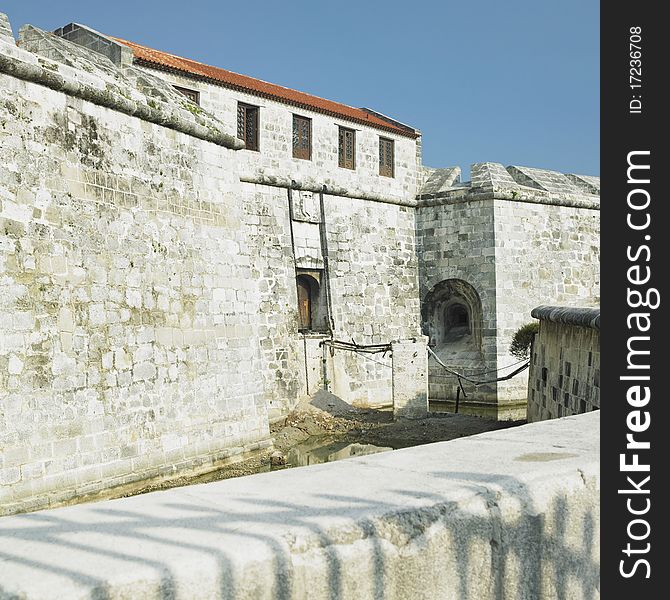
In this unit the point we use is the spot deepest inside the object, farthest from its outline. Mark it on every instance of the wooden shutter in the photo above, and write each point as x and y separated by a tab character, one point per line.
347	148
302	137
386	158
247	125
192	95
304	304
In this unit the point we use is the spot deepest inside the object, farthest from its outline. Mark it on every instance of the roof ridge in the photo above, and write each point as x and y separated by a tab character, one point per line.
198	62
130	44
261	87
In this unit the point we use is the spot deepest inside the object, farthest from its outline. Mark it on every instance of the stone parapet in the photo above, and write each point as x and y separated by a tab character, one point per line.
6	33
519	184
505	514
60	65
580	317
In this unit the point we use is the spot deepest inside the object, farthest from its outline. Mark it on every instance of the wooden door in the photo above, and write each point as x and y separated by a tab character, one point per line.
304	303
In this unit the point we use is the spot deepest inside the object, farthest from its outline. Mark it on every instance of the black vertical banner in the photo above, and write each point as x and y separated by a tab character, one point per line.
635	300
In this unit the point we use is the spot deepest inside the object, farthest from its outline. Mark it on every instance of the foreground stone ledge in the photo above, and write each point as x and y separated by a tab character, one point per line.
505	514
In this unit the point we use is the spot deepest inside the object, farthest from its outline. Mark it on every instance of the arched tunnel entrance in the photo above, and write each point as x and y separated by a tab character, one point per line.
452	318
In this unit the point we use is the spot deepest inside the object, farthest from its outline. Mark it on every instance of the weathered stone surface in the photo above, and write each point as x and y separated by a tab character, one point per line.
274	163
314	353
6	33
487	176
521	184
113	229
564	377
440	180
306	206
410	378
456	244
515	254
307	245
550	181
589	184
543	253
508	514
148	298
568	315
63	66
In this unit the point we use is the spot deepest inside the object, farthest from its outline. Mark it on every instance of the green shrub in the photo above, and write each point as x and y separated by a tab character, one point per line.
523	338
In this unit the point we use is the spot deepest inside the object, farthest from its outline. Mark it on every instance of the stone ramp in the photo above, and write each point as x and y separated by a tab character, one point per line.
511	513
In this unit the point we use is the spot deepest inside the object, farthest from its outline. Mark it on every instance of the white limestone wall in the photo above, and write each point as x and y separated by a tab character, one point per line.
517	255
373	278
410	379
374	283
456	241
373	274
545	254
129	301
564	376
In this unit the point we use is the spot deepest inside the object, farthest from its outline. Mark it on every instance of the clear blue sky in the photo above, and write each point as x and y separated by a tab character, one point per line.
513	82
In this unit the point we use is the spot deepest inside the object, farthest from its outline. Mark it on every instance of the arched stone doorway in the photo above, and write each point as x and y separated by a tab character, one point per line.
452	318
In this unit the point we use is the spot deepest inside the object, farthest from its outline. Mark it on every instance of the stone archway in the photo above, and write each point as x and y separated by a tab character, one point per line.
452	318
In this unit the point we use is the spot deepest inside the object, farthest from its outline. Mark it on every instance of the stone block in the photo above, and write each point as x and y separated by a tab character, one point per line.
410	378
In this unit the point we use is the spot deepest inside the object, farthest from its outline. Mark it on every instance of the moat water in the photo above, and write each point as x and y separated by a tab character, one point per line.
318	449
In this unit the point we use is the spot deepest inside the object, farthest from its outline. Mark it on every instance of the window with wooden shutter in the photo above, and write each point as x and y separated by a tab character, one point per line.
302	137
247	125
386	158
192	95
305	301
347	148
312	304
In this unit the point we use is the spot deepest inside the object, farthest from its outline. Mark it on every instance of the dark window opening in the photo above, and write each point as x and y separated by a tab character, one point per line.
302	137
386	157
346	153
247	125
192	95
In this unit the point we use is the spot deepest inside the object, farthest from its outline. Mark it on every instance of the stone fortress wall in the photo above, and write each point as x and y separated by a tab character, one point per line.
492	234
564	377
124	352
499	245
149	321
151	267
274	163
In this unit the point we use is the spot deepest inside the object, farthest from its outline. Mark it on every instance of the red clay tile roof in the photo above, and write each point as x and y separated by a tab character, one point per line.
162	60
